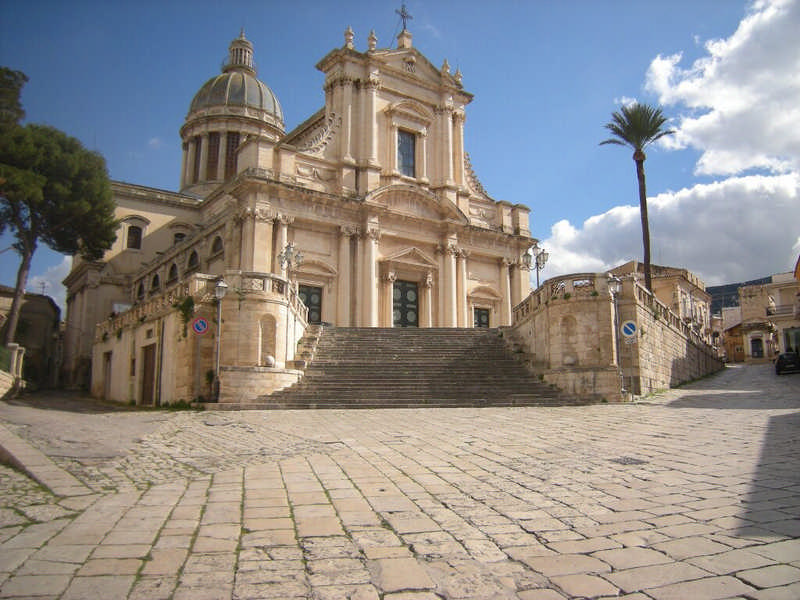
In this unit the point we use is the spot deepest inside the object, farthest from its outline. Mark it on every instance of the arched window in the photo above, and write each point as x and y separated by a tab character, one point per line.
216	246
172	276
134	237
194	262
155	283
140	291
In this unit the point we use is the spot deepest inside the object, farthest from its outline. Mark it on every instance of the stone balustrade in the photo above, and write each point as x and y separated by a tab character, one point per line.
201	286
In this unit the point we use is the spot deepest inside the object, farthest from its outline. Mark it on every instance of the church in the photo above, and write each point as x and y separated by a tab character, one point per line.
367	214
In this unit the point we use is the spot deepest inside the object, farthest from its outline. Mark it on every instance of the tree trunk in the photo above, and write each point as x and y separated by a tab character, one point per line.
648	282
19	295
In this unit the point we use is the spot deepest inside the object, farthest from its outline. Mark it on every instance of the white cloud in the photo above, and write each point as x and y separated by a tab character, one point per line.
625	101
51	280
742	98
741	109
728	231
155	143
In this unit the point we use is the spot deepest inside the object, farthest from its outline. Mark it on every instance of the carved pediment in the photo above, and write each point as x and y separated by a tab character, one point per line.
411	201
412	62
412	257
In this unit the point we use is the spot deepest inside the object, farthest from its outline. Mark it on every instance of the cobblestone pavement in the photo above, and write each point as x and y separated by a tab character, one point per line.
690	494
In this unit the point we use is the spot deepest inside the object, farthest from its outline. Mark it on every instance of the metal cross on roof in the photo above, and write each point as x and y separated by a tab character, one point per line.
404	14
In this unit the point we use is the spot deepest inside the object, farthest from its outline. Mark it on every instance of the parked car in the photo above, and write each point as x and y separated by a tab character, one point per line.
787	362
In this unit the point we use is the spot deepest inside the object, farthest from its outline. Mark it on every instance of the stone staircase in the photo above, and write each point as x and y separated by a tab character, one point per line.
410	367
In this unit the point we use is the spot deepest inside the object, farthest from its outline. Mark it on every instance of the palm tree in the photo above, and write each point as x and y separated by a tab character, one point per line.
638	126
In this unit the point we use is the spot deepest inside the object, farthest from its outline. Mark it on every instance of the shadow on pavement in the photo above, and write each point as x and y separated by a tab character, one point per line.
74	402
771	509
733	400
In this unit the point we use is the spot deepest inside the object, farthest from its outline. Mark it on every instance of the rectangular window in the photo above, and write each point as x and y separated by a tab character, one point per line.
406	146
231	144
213	156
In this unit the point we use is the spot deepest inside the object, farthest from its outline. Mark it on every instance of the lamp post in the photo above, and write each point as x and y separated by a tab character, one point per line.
539	259
220	289
289	258
614	288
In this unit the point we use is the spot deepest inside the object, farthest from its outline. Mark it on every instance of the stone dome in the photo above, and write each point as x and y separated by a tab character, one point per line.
238	88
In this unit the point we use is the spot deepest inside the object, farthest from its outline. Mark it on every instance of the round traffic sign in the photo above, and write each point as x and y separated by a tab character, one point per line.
628	328
200	325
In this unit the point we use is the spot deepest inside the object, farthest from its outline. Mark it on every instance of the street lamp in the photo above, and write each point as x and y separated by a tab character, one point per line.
614	288
540	258
290	258
220	289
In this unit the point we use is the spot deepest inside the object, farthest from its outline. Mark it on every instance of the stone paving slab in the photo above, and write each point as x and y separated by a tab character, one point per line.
690	494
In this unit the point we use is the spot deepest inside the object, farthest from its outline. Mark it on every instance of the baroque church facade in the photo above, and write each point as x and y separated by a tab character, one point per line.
375	191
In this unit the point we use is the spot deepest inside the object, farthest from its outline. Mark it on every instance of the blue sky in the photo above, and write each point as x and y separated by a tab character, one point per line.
546	76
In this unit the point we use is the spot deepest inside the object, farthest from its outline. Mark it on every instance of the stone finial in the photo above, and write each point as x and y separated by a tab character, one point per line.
445	67
372	40
348	38
404	40
458	76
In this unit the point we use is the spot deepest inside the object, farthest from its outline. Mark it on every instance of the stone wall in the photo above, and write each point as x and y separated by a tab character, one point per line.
566	333
667	352
152	354
246	384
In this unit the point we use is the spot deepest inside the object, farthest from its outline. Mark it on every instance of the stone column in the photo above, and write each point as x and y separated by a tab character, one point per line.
450	286
190	162
371	130
203	171
426	310
422	163
223	155
505	293
463	304
343	284
346	113
388	298
444	116
370	176
458	156
262	240
370	270
184	156
246	220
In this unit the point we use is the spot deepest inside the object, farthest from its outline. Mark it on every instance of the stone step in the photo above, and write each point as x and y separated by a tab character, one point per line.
392	368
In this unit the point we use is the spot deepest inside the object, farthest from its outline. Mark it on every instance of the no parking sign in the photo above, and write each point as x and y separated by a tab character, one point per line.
200	325
628	329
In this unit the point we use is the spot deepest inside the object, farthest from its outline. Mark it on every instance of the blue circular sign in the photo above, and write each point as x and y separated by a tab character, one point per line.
199	325
628	328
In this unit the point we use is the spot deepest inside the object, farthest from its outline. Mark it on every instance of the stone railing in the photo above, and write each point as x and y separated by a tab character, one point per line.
783	310
580	285
270	282
198	284
202	286
662	311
